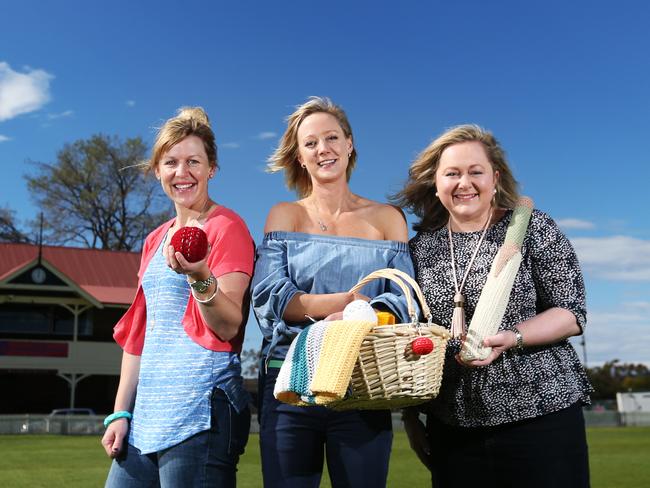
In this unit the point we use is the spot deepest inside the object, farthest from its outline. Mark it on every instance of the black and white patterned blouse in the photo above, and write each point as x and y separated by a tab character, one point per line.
517	385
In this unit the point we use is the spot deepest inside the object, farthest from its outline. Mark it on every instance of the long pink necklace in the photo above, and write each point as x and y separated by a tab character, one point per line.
458	327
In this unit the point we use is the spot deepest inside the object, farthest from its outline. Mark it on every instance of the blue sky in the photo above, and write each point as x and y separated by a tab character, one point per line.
563	85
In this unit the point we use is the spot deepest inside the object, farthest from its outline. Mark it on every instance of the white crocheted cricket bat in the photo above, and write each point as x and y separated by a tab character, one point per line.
494	297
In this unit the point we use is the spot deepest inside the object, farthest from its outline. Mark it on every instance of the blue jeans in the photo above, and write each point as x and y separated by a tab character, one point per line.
208	458
295	440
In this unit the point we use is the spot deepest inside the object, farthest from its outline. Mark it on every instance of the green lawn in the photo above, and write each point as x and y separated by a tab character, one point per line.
619	459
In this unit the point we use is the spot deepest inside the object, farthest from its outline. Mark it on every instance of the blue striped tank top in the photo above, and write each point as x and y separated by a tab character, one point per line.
177	375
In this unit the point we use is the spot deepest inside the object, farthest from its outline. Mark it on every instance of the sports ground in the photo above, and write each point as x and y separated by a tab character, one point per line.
619	458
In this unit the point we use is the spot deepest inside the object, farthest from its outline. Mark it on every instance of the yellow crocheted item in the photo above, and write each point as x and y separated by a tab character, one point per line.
385	318
339	353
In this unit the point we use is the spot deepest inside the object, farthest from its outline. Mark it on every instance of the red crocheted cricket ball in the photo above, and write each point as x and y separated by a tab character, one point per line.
191	242
422	346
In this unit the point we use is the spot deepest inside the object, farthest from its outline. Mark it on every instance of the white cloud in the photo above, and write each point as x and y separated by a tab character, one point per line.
617	258
621	333
570	224
130	103
22	93
265	135
60	115
4	138
640	306
230	145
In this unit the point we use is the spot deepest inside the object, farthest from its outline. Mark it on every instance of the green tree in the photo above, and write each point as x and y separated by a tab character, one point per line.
9	231
96	196
604	382
250	360
613	377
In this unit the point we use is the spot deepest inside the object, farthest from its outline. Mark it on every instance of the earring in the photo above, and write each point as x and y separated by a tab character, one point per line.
349	155
436	194
495	191
303	166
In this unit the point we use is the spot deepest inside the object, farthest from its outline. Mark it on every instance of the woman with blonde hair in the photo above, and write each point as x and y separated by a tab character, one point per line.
314	250
181	412
514	418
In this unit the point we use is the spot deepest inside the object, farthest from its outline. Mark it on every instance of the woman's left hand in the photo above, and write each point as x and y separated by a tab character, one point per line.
499	343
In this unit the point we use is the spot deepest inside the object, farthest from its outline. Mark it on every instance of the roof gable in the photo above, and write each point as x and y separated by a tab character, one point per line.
98	275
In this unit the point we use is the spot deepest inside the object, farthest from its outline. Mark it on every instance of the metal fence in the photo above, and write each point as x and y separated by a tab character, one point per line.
52	424
93	424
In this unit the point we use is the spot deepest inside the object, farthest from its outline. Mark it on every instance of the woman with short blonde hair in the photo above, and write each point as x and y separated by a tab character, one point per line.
181	411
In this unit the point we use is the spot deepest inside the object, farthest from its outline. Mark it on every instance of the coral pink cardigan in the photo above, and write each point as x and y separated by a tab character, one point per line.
232	250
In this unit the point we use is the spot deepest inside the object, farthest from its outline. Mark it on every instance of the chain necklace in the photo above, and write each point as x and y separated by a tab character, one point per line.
319	220
154	308
206	207
458	327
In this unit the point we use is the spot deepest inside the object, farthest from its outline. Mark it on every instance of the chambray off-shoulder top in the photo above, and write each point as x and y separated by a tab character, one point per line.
292	262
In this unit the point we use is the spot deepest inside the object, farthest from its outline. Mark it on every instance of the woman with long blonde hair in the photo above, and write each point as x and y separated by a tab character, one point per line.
514	418
314	250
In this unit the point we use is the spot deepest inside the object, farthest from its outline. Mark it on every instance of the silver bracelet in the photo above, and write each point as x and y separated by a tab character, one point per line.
519	345
211	297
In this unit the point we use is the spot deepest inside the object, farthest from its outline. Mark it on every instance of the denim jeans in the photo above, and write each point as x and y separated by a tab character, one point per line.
208	458
294	441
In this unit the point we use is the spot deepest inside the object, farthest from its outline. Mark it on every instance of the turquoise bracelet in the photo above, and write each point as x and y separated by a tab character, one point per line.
122	414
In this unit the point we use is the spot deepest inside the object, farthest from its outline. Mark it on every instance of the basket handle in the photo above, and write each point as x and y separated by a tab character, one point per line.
416	288
399	277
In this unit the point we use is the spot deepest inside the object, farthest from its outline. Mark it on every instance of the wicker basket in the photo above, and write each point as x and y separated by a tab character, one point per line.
387	374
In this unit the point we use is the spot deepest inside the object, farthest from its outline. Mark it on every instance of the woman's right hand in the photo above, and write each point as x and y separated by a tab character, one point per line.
318	305
115	437
417	436
349	297
339	301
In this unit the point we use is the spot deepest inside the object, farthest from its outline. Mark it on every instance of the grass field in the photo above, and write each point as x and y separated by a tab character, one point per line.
619	457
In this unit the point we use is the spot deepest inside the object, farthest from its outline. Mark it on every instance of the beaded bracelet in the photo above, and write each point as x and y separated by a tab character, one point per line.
122	414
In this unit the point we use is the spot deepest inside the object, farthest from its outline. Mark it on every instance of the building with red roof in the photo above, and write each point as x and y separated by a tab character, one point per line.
58	306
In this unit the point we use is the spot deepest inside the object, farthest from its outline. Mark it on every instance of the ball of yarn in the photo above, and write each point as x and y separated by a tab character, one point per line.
422	346
360	310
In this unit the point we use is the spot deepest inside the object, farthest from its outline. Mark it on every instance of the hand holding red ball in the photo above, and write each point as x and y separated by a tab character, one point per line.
191	242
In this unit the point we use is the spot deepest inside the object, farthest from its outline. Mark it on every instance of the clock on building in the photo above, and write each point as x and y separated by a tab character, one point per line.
38	275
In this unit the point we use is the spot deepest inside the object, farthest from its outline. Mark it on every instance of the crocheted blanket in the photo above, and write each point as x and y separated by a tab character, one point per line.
319	363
